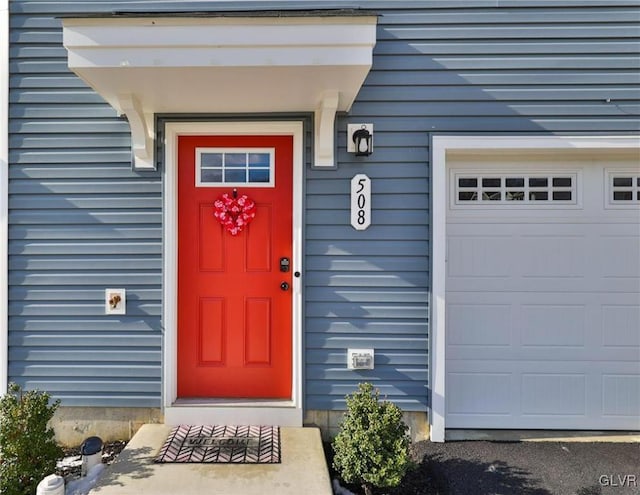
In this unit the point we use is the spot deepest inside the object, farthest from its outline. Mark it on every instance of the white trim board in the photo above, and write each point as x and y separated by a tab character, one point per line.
443	146
4	193
282	413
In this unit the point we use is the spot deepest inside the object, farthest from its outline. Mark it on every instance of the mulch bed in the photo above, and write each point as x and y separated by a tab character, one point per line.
420	480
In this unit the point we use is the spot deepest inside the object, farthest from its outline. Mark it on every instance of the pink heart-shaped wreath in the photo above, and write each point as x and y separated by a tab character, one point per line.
234	213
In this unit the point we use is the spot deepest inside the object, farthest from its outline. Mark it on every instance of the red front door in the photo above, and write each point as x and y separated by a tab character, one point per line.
234	300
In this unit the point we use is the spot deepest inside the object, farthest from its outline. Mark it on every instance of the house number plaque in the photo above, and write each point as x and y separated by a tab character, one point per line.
360	202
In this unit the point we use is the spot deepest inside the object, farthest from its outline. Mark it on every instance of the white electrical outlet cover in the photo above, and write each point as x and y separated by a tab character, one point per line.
115	301
360	359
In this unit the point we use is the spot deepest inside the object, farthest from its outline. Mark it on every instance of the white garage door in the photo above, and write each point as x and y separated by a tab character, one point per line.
543	294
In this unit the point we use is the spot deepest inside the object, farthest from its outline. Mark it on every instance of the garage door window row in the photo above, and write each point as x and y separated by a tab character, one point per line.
624	188
510	189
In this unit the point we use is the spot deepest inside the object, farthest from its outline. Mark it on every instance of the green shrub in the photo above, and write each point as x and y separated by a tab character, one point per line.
28	451
372	447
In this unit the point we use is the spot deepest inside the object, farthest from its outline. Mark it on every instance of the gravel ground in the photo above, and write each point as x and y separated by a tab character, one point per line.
420	481
522	468
70	466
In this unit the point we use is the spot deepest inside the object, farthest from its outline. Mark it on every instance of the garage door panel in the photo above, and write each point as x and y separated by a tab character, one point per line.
550	297
541	422
514	352
479	257
552	325
519	367
564	394
513	260
544	356
534	327
620	326
532	282
517	394
543	308
620	259
552	257
621	395
567	285
480	393
479	324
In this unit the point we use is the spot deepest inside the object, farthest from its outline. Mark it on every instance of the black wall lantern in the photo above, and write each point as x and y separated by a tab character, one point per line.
361	139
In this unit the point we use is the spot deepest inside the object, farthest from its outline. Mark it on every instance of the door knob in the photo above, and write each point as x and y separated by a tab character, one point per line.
284	286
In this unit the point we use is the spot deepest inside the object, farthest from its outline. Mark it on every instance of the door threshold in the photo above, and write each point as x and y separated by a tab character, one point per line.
214	402
233	412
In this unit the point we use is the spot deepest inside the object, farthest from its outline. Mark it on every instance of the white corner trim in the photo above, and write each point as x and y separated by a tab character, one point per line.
438	270
325	118
440	147
287	413
4	193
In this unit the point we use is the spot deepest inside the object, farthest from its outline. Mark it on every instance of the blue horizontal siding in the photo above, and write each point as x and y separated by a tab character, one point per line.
94	325
80	220
30	248
391	358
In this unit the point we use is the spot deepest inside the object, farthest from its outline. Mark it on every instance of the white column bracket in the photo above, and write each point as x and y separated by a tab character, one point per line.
325	118
141	139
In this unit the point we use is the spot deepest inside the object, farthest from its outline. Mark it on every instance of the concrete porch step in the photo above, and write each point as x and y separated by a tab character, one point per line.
303	469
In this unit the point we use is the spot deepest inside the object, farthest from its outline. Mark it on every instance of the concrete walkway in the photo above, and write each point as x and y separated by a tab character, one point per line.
303	470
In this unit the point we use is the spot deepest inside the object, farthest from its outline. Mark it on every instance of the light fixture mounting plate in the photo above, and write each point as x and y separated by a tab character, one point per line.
351	129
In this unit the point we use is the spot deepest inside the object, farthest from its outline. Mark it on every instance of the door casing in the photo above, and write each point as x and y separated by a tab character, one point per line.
276	412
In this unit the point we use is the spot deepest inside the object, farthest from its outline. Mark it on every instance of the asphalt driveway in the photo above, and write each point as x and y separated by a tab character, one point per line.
532	468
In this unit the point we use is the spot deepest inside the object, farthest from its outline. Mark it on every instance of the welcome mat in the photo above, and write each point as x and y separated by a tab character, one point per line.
222	444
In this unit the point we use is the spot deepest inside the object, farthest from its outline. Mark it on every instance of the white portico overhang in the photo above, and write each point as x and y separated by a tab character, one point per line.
224	64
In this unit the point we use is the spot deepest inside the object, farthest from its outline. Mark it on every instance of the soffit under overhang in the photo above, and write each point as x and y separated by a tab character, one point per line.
145	65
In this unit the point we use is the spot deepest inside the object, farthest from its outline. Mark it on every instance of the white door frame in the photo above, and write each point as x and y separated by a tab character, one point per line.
441	145
229	411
